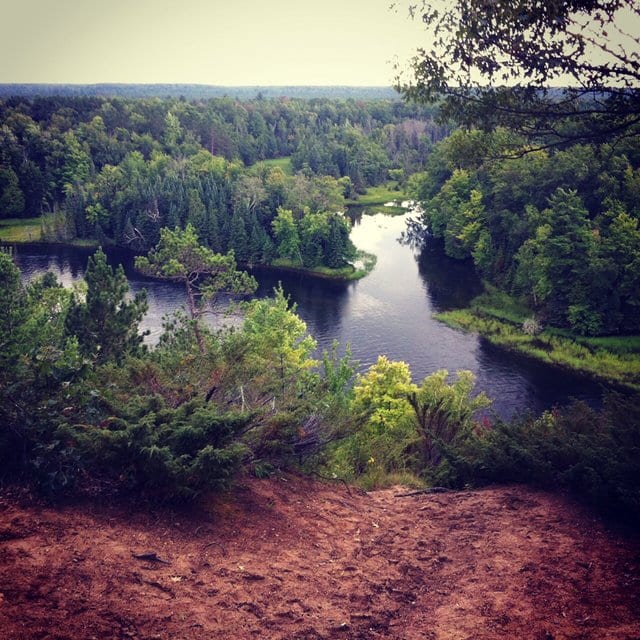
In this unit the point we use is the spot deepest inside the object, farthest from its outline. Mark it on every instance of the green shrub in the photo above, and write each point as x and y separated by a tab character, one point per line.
161	452
400	427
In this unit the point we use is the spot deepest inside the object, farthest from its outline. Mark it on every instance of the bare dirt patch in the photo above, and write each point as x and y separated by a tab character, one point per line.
298	559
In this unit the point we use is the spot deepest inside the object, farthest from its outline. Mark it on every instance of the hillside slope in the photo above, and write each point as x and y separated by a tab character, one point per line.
294	558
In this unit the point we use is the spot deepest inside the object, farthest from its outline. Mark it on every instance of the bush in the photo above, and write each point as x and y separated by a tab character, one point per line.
402	428
531	327
593	454
161	452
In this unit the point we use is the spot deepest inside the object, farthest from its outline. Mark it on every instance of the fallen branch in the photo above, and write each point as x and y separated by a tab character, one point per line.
421	491
330	479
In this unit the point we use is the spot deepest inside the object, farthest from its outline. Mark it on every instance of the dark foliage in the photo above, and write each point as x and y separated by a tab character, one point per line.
561	230
105	324
157	451
593	454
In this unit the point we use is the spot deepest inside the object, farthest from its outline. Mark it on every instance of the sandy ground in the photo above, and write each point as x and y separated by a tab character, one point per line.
299	559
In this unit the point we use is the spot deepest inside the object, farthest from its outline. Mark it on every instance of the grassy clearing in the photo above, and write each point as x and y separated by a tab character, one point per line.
589	357
364	264
283	163
21	230
379	195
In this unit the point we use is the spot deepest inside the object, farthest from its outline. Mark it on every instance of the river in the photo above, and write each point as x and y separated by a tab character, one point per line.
388	312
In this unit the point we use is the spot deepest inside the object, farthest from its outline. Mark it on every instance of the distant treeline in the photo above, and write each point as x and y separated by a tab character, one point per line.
196	91
120	169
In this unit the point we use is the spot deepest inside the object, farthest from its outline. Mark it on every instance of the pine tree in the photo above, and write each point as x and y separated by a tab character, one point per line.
105	324
179	256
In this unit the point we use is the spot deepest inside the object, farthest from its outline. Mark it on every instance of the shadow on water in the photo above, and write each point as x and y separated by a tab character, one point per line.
320	302
450	284
521	384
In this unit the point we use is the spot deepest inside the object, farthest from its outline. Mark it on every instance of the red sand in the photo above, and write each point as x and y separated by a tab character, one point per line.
292	558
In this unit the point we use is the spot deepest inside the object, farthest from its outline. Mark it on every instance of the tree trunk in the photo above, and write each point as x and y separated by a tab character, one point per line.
195	316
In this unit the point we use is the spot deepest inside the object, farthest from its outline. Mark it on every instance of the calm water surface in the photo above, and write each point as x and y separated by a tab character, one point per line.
388	312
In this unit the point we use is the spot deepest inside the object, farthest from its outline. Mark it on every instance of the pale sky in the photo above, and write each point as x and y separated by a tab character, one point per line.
232	42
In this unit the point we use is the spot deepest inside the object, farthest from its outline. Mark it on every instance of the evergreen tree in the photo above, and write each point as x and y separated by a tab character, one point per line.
105	323
238	240
339	248
12	201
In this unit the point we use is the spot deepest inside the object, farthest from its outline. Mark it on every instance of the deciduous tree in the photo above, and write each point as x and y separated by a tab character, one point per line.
496	62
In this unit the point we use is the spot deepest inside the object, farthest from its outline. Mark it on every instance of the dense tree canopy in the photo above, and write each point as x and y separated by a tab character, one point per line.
558	228
119	170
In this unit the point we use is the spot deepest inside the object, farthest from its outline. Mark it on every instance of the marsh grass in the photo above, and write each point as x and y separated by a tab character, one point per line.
379	195
21	230
620	366
364	264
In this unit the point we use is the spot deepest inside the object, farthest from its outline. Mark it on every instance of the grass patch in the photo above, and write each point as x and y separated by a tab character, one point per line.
371	210
500	305
283	163
380	479
21	230
83	242
30	230
379	195
615	344
592	358
364	264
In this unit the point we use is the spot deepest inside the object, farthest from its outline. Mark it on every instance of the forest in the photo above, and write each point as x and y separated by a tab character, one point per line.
196	91
559	229
119	170
203	186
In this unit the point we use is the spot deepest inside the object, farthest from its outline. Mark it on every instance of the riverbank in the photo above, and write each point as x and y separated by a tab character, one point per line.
499	319
21	230
381	197
29	231
288	557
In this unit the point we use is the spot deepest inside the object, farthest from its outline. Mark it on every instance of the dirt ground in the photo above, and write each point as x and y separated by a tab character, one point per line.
300	559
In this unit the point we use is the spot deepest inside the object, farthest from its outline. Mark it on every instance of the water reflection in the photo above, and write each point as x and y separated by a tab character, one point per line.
450	284
320	303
